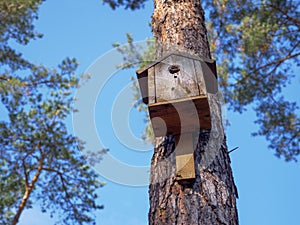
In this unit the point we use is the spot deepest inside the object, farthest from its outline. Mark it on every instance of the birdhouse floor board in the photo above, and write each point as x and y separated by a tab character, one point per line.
180	116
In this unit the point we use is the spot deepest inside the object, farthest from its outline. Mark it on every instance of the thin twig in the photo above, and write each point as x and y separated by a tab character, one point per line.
233	150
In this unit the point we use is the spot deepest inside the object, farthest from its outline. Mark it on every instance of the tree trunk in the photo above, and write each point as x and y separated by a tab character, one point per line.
211	198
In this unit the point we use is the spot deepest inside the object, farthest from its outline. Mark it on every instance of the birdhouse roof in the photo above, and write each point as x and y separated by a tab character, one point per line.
142	72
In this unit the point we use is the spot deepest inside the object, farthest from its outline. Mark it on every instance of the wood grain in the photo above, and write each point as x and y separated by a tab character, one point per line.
178	85
184	115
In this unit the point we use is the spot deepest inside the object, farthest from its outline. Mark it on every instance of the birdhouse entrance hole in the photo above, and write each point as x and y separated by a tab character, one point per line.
174	69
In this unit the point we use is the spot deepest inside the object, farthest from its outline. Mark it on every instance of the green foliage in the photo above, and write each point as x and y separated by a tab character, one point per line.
17	18
257	47
36	138
256	44
128	4
39	158
138	55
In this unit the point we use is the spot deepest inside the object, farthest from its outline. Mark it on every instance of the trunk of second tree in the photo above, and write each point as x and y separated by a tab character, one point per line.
211	198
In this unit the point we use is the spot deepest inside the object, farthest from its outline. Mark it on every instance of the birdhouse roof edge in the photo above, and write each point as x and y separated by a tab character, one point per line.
178	53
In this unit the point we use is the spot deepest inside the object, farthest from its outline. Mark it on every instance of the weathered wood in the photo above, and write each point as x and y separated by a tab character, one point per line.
171	86
200	78
180	116
184	150
178	53
185	167
210	79
190	79
151	86
143	84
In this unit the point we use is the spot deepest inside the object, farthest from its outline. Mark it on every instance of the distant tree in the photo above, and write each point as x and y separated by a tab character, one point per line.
40	160
257	48
257	44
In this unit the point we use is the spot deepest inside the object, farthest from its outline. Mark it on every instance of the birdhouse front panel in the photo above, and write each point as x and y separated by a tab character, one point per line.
175	78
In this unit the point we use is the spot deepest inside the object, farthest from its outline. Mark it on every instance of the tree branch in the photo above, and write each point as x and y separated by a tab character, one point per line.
28	190
63	182
25	173
285	14
62	179
279	61
4	78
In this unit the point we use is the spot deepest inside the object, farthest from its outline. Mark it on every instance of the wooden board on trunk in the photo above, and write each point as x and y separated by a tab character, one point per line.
184	150
185	167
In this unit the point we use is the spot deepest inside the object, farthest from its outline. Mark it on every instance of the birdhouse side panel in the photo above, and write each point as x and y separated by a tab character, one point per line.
210	77
175	79
151	85
143	85
200	77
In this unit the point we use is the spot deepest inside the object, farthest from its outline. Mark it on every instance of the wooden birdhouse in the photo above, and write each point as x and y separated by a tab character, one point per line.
175	88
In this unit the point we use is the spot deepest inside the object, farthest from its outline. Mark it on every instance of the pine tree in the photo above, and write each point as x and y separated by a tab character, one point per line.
211	198
39	158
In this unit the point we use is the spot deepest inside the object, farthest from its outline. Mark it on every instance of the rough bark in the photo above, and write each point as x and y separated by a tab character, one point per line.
211	198
180	25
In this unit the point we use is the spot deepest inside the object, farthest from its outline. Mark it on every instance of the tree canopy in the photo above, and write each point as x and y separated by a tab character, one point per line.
39	158
257	48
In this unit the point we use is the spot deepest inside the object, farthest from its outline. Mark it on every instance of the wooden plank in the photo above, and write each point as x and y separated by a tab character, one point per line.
184	150
186	80
165	83
143	83
209	74
178	53
151	85
170	86
181	100
185	167
179	116
200	77
184	143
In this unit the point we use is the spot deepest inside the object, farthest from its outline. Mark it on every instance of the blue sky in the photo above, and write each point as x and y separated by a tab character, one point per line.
268	187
